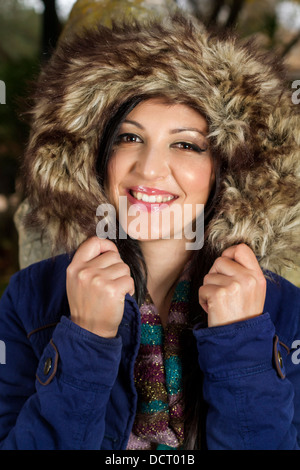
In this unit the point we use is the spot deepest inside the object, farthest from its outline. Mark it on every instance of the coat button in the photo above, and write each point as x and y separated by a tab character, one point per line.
47	366
280	359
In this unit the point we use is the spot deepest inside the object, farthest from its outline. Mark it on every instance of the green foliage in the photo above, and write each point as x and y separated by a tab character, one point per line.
19	54
20	30
19	63
17	76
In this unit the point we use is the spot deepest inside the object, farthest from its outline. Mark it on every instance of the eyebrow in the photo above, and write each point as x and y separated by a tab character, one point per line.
183	129
173	131
137	124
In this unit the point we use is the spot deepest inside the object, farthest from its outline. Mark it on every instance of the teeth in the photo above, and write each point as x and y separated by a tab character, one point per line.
145	198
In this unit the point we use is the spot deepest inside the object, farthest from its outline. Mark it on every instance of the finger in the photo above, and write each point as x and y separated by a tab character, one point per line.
106	259
216	279
125	285
243	255
114	271
227	266
93	247
205	294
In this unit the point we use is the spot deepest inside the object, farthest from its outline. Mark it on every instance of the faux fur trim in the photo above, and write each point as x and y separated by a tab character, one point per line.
254	127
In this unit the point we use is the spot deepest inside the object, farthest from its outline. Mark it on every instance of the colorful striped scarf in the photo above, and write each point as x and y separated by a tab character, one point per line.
158	374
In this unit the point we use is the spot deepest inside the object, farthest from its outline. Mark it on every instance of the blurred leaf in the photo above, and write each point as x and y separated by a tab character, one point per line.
20	30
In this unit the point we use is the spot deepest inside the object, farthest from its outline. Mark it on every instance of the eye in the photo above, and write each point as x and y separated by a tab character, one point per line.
128	138
189	147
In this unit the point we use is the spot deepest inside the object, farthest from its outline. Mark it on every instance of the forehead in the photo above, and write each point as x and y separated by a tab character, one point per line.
158	112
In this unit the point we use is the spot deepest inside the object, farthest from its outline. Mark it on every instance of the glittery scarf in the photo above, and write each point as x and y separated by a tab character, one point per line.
158	374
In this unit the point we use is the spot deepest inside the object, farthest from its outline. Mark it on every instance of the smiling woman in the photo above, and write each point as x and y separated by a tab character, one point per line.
136	341
161	158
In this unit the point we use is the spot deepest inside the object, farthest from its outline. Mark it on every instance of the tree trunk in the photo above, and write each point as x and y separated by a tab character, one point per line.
51	29
218	4
237	6
290	44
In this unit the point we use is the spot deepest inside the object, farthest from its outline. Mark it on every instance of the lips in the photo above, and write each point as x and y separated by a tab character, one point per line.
151	198
148	196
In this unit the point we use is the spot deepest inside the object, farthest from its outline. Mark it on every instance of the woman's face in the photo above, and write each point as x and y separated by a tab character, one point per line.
161	170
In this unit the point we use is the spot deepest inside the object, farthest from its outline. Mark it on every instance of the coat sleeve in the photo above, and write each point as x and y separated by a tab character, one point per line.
59	400
250	401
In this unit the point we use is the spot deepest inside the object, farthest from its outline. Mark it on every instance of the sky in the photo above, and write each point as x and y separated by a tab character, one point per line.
63	6
288	11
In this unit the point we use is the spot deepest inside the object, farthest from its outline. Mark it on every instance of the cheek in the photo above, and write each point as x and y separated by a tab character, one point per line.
198	178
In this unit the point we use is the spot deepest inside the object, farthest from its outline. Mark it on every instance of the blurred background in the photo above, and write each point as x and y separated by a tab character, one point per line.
29	31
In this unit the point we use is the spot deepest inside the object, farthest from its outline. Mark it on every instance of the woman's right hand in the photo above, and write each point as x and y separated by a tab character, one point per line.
97	282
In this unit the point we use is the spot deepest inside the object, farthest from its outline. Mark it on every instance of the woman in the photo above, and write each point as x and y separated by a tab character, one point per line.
137	342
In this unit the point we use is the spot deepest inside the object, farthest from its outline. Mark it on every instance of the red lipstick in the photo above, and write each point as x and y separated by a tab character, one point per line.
150	199
150	191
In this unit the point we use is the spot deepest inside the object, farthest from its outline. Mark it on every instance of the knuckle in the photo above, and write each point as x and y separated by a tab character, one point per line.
70	270
218	262
234	287
97	281
88	242
252	282
110	258
221	293
201	293
131	284
126	268
114	255
242	249
123	268
83	275
111	290
242	246
262	281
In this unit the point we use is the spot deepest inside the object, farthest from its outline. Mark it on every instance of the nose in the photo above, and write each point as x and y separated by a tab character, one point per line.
153	164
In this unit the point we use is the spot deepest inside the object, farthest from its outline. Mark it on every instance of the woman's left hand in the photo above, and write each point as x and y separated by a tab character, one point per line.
235	288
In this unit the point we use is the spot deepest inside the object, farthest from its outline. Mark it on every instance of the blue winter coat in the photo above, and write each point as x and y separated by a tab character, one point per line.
62	387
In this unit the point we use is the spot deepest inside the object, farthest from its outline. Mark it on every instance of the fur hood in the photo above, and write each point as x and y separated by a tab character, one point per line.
254	126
